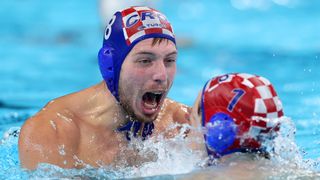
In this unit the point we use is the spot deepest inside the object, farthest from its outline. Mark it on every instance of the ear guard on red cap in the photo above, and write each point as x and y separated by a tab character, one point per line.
221	133
237	112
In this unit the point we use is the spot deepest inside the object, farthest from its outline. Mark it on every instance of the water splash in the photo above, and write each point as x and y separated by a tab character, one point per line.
153	157
287	158
161	155
172	158
10	165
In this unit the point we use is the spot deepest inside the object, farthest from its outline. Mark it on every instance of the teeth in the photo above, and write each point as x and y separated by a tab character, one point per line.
151	100
152	105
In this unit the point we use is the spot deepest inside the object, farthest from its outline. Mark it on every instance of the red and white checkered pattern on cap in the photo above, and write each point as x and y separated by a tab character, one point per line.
250	100
158	24
261	99
267	103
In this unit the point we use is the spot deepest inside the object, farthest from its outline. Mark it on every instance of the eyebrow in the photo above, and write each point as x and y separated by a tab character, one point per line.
152	54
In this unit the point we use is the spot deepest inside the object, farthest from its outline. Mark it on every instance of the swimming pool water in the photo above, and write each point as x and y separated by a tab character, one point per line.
49	49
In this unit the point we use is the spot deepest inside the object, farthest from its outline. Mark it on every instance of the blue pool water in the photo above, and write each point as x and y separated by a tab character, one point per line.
48	49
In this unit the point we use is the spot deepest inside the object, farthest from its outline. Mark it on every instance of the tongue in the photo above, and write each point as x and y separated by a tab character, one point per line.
150	102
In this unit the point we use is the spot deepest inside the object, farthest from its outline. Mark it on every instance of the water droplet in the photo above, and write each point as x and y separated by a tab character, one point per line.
78	161
69	120
61	150
92	138
53	125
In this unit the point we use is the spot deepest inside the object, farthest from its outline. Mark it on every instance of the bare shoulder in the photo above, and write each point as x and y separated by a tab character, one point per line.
180	112
48	136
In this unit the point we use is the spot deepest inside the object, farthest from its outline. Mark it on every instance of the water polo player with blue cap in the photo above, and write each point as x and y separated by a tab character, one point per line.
238	113
94	126
125	30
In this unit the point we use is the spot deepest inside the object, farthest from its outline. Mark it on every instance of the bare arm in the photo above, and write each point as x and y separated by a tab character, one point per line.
48	138
181	113
172	118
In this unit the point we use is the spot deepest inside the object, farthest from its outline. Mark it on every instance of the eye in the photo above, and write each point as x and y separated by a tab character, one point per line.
144	61
170	61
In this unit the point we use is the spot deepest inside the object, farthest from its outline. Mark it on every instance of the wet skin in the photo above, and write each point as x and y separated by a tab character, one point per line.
80	128
147	69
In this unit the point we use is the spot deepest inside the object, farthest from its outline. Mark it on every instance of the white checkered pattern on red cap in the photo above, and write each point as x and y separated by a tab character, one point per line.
150	26
266	102
245	75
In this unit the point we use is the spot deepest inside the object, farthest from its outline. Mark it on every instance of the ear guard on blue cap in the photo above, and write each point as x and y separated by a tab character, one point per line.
106	65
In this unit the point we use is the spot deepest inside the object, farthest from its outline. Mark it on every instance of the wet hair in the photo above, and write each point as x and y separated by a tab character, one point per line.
159	41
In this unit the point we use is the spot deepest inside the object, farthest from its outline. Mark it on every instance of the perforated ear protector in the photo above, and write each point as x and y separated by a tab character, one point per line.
106	65
221	133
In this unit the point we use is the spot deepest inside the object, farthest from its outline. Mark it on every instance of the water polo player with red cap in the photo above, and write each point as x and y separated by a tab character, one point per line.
239	112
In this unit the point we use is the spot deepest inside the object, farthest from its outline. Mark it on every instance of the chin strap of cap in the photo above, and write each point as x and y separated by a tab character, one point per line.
132	128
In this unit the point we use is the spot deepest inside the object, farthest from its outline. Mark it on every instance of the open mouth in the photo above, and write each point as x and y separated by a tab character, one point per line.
151	101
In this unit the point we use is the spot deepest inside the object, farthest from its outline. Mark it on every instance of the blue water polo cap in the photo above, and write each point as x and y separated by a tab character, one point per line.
124	31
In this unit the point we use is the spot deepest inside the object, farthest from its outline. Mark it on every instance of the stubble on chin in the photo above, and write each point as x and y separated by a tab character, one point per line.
128	109
130	113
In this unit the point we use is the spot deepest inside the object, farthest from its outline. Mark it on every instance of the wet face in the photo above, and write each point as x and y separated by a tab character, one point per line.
146	77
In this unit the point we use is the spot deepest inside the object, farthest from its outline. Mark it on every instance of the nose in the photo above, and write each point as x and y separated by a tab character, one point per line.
160	73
